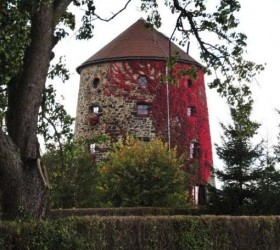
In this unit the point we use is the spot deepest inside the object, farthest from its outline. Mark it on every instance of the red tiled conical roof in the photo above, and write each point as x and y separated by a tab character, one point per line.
137	42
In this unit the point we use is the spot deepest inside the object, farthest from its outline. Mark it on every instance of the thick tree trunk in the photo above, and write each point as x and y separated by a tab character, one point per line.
22	183
25	94
10	177
23	190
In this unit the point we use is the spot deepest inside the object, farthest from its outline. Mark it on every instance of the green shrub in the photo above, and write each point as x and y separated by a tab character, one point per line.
73	177
144	174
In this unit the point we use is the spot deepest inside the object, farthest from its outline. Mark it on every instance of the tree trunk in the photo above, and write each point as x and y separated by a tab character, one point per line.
22	178
10	177
22	183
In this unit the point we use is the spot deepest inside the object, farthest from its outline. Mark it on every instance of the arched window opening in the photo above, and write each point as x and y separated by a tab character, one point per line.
142	81
96	82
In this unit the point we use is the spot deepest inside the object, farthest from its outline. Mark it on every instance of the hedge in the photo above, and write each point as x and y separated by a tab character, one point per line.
123	211
143	232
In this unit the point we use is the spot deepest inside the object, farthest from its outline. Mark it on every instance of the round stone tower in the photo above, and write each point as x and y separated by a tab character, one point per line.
123	91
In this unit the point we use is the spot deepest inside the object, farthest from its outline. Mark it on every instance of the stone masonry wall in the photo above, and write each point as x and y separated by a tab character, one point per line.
117	116
110	96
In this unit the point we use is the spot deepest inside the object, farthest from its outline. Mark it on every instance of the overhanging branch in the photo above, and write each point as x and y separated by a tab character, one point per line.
114	15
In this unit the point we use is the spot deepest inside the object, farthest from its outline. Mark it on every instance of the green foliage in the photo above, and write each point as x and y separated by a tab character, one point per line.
86	29
123	211
244	232
55	125
267	192
140	174
128	180
59	70
250	179
267	187
223	57
148	232
14	27
15	22
41	235
106	233
242	159
277	147
73	176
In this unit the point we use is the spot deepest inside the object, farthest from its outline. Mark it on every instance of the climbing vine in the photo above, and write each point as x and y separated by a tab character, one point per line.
185	92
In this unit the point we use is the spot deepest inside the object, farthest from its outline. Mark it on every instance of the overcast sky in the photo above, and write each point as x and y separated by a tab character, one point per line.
258	20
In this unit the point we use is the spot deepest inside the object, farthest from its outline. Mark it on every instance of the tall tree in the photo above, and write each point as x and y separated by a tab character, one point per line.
29	32
241	157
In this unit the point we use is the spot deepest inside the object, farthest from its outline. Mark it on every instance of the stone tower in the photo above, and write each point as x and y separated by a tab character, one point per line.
123	91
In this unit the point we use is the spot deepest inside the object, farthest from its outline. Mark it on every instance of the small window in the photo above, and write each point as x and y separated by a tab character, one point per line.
92	148
96	109
194	150
96	82
189	83
142	81
195	191
142	109
144	139
199	194
191	110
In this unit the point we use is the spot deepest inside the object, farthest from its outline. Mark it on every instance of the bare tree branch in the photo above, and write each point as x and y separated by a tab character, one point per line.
114	15
57	134
194	29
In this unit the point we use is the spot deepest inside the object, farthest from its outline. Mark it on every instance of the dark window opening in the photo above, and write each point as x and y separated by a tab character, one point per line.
96	82
144	139
142	81
199	194
202	195
191	111
194	150
142	109
189	83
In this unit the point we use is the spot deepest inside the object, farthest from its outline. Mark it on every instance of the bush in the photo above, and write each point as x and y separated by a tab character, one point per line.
136	174
73	178
144	174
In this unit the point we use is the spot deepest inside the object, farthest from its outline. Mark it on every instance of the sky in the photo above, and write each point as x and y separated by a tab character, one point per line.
258	20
